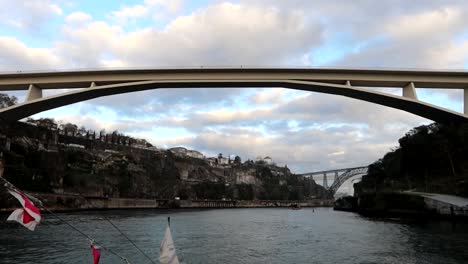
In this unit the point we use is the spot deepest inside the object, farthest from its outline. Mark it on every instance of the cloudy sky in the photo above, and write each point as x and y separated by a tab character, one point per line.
306	131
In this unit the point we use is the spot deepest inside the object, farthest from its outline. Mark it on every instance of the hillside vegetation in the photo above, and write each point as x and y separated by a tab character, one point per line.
430	158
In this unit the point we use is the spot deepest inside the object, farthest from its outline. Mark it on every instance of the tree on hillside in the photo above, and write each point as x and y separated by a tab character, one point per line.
49	123
430	158
70	129
6	101
82	131
102	134
115	137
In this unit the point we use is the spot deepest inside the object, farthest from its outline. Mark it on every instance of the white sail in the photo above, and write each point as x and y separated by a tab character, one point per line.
167	254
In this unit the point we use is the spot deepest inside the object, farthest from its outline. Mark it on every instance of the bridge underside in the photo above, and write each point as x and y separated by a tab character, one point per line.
344	82
410	105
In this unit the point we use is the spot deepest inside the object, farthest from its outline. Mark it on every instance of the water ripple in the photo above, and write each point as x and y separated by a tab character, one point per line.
239	236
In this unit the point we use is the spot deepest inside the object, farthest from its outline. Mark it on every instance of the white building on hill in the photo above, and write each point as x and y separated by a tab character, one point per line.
267	160
178	151
183	152
195	154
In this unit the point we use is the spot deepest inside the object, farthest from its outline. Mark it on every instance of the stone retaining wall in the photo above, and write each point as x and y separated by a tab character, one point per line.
61	202
446	209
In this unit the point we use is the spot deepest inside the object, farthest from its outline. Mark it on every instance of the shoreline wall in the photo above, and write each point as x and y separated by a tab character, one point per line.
401	205
445	209
70	202
254	203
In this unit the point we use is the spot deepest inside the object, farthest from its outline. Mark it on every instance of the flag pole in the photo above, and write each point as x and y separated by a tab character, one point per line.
7	184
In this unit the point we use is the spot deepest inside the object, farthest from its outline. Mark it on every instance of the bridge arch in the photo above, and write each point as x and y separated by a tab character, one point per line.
341	176
348	174
96	84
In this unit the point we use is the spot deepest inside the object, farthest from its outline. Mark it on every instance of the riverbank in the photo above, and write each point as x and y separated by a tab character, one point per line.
406	205
72	202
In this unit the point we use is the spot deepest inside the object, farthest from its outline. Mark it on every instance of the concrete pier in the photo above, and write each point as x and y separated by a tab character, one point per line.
444	204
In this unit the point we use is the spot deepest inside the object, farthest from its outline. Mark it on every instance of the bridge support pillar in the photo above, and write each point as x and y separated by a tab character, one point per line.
465	101
34	92
336	177
325	182
409	91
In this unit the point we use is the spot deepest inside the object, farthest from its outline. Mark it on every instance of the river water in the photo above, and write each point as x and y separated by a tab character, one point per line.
238	236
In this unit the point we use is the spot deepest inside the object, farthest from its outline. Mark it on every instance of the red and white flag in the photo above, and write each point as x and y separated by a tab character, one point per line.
29	216
96	253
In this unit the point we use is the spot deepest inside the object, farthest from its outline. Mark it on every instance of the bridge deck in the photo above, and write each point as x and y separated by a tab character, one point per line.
357	77
329	171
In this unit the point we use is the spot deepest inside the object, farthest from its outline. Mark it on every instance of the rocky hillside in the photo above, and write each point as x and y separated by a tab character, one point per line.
36	159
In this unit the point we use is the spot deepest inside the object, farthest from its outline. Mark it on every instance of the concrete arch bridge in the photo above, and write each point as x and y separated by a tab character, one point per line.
85	85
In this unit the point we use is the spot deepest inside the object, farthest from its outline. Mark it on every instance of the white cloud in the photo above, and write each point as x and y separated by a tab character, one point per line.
336	153
129	12
88	45
16	56
172	6
77	18
440	22
299	151
260	33
113	64
267	96
215	35
28	15
219	34
422	39
158	8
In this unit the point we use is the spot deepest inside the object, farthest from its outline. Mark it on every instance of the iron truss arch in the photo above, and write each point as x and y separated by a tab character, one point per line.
340	176
348	174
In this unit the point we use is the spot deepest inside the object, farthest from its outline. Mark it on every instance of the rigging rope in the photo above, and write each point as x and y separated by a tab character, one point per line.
40	204
120	231
82	233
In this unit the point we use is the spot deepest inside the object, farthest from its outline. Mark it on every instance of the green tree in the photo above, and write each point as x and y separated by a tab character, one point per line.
6	100
70	129
49	123
82	131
